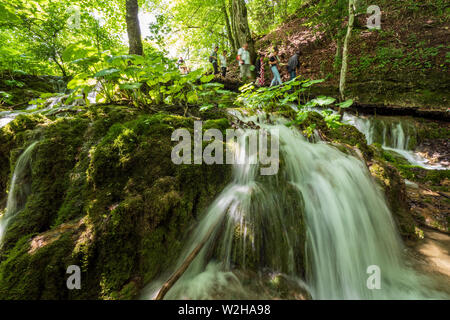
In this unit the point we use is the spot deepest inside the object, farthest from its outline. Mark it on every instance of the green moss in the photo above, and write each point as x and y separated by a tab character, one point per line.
38	275
350	135
153	199
13	136
394	188
113	166
221	124
412	172
53	159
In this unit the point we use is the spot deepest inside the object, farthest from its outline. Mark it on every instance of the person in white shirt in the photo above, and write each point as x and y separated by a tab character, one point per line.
244	62
223	63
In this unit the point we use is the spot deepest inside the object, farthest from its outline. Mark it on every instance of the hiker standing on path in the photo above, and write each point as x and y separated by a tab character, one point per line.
223	63
293	65
182	65
213	60
244	62
274	61
259	67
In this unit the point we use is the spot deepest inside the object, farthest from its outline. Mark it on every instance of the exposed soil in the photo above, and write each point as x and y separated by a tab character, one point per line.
390	71
431	256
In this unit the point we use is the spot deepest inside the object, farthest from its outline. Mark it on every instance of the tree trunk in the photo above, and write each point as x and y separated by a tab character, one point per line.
229	32
338	55
133	29
60	66
351	19
239	25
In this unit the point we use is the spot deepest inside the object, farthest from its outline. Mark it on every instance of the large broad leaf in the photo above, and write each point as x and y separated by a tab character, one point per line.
309	104
324	101
81	82
78	51
123	57
225	92
130	86
87	60
206	107
110	72
212	85
312	82
345	104
205	79
191	97
132	70
301	116
138	59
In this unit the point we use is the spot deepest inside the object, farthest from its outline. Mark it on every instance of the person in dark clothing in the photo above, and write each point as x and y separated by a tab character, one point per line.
223	63
213	60
259	69
293	65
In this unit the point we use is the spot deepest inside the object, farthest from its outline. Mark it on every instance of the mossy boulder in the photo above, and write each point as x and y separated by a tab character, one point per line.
111	169
393	185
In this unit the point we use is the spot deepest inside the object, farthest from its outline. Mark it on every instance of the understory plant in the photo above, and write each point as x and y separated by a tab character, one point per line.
292	96
143	81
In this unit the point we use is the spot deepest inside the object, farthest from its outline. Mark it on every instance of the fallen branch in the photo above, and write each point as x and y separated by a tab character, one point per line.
178	273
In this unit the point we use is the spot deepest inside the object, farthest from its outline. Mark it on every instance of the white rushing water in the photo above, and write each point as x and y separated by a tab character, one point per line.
19	189
393	134
51	105
349	228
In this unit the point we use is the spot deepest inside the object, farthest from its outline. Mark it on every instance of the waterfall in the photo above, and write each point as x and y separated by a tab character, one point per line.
320	194
19	190
393	134
389	132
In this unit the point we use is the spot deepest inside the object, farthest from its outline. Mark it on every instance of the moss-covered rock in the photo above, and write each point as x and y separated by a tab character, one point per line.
394	188
110	167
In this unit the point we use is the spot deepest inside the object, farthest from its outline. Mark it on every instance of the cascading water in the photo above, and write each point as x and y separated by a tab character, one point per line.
322	219
19	190
393	134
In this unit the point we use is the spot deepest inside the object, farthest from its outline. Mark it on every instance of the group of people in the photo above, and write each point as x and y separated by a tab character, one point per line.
246	67
219	60
216	58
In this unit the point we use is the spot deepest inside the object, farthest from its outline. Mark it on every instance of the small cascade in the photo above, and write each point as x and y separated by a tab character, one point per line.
389	132
321	219
51	105
394	134
19	190
7	116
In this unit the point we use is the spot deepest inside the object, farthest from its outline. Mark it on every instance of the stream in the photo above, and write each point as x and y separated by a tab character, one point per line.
257	222
396	134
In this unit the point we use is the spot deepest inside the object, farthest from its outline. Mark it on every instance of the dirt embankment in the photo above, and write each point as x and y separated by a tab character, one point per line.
403	68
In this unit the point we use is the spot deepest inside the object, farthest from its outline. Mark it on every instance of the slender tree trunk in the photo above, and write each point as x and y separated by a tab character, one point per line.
228	26
133	29
239	25
351	20
60	66
338	55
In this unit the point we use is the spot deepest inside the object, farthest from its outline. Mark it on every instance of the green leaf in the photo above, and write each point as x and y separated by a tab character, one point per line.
206	107
107	73
323	100
191	97
312	82
301	116
80	82
346	104
130	86
205	79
